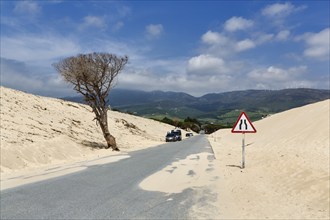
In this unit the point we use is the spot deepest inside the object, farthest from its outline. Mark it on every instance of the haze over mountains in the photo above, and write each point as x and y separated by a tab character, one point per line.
211	107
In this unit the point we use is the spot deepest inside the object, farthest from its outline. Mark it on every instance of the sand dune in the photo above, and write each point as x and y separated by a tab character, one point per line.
287	167
287	160
38	131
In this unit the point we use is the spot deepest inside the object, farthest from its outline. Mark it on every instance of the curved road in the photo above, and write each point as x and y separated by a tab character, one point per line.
108	191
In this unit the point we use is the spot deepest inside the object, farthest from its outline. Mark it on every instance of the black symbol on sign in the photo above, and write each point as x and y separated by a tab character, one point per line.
240	124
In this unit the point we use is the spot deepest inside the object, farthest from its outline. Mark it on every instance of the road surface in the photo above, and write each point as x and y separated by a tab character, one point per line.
108	191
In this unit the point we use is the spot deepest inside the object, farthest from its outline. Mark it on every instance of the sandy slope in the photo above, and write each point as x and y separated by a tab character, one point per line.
38	131
287	160
287	167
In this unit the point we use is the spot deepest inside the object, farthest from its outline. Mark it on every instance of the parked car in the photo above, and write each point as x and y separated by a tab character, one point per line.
170	137
189	134
177	134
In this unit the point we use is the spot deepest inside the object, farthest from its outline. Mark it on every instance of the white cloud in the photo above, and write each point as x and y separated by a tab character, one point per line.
202	74
276	74
281	78
206	64
262	38
26	62
93	21
154	30
238	23
36	48
27	8
15	73
278	12
145	74
211	37
19	75
318	44
278	9
222	46
217	67
245	45
283	35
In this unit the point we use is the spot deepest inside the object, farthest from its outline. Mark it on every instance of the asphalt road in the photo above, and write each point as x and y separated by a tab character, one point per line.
108	191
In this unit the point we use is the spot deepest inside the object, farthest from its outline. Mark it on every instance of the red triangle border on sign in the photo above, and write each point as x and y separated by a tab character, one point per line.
239	118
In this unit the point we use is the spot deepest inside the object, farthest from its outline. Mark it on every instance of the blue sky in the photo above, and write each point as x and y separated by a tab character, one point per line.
196	47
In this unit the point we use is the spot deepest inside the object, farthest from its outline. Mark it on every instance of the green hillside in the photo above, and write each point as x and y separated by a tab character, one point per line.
221	108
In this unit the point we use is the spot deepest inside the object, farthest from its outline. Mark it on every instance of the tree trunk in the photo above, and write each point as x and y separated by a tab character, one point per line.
111	140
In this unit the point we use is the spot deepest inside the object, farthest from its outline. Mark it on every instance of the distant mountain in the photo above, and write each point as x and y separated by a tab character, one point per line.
267	100
122	97
125	97
216	107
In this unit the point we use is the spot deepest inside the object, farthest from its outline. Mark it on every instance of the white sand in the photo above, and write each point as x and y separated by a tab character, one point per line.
180	175
287	167
197	172
39	132
287	160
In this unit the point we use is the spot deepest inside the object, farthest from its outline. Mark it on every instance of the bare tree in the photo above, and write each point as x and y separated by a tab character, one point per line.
93	75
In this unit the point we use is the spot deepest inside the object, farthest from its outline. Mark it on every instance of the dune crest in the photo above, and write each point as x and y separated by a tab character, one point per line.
38	131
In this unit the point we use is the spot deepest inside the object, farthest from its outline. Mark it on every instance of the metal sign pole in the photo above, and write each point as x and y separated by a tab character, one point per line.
243	151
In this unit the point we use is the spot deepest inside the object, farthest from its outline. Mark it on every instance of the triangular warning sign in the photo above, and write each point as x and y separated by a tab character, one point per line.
243	125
